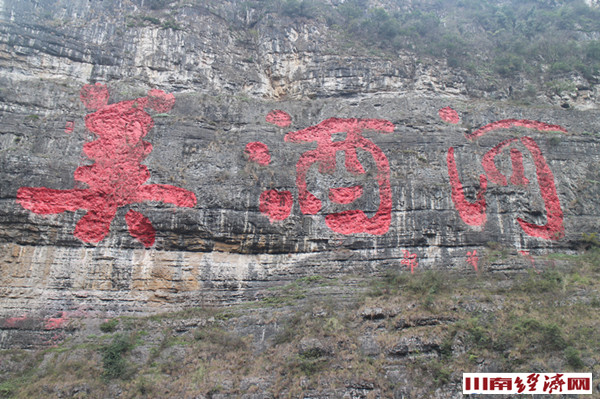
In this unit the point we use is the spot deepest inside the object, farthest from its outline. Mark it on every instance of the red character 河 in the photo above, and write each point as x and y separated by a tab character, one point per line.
474	213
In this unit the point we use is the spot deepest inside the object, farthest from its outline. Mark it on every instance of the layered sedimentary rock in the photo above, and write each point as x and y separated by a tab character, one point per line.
154	160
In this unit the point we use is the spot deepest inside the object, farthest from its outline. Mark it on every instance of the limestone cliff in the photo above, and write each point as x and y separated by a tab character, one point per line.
290	198
142	165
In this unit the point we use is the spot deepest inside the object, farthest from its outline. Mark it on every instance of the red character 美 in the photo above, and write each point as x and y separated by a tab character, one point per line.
117	177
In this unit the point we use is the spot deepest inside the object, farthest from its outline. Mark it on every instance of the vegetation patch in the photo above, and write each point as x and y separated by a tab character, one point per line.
539	40
113	357
444	322
109	325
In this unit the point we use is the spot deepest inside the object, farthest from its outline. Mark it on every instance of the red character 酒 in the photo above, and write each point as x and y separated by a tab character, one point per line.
324	155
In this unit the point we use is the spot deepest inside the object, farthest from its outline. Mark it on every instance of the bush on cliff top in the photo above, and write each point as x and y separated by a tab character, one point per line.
482	36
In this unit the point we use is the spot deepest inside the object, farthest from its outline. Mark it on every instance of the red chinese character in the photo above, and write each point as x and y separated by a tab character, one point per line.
527	254
449	115
532	380
117	177
473	259
578	384
56	322
258	152
279	118
474	214
410	260
69	127
553	383
277	205
14	322
500	384
520	386
350	221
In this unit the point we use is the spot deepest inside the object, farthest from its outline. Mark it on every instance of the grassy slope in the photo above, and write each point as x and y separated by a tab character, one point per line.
413	332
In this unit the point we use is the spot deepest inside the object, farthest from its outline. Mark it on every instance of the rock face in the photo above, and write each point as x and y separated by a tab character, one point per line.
155	159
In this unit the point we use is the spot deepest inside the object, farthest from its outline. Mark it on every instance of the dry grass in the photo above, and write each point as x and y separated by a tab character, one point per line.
450	324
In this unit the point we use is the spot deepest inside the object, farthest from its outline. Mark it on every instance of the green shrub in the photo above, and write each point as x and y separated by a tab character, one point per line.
561	86
554	141
220	337
590	240
441	373
508	64
158	4
539	334
308	365
115	365
352	9
7	389
552	336
299	8
573	358
535	283
429	282
478	334
518	37
171	24
109	326
592	256
292	328
592	50
152	20
561	67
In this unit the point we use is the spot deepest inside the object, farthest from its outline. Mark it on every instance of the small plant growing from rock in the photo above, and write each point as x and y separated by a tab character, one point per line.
109	326
115	365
